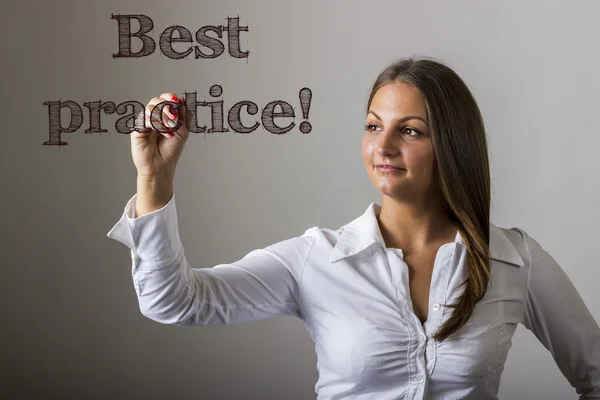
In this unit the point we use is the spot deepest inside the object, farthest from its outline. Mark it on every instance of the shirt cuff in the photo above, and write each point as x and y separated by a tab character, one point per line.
153	238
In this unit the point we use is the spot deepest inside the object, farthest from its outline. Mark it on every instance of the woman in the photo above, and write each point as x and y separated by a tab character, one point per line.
418	297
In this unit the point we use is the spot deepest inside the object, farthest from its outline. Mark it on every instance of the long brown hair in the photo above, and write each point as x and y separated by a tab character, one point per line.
462	167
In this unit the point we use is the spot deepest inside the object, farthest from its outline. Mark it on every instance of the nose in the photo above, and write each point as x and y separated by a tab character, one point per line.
387	145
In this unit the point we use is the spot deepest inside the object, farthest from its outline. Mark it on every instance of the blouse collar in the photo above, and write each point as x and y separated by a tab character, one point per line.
364	232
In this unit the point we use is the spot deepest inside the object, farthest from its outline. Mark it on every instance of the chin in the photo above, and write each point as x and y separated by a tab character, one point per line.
390	191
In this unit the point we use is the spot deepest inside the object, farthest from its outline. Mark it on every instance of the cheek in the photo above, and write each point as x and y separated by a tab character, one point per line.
422	159
366	150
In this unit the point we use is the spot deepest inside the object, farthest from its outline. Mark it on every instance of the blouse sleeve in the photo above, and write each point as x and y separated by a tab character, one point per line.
558	317
263	284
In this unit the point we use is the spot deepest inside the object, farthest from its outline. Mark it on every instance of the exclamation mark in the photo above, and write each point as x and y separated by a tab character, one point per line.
305	98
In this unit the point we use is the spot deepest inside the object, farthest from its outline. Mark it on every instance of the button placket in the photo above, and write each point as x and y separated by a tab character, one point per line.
135	260
440	282
399	276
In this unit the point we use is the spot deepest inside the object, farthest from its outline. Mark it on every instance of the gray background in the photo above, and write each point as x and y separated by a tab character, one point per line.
71	326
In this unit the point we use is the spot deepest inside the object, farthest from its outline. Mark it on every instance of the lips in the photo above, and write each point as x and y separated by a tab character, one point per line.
386	166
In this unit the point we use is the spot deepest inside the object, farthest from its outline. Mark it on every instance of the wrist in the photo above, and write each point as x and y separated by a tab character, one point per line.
158	178
153	193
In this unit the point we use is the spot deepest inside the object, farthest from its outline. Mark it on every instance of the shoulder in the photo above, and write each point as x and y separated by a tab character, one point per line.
301	245
528	247
509	244
327	235
332	244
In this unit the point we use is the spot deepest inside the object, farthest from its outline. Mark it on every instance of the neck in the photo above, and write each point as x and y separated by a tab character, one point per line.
414	227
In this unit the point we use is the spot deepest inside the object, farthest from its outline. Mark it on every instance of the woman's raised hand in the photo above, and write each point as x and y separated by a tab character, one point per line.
155	151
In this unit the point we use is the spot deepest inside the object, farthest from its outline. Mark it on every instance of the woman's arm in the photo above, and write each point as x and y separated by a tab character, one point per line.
262	284
558	317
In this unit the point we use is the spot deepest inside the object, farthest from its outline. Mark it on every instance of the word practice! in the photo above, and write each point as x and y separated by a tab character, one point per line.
136	118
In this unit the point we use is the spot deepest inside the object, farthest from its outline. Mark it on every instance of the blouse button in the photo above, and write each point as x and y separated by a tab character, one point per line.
420	378
436	307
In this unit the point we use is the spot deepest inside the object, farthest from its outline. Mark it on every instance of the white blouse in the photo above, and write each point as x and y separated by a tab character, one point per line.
353	296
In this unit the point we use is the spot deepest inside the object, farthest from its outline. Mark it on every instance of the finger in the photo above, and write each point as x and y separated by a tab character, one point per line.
181	122
152	119
172	110
170	96
156	119
140	125
158	125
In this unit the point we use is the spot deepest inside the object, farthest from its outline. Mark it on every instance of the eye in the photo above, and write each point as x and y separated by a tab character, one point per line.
413	130
369	127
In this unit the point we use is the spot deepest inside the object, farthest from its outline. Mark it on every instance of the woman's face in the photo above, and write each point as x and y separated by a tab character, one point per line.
397	133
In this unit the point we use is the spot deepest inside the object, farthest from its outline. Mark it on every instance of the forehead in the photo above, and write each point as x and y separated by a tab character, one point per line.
398	99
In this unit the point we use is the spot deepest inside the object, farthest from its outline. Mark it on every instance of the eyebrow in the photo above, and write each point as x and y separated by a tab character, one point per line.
408	117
